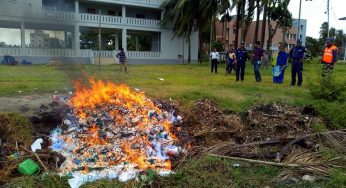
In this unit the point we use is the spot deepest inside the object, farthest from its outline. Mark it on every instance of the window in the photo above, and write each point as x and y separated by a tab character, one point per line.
300	36
120	13
111	13
91	11
140	16
301	26
234	31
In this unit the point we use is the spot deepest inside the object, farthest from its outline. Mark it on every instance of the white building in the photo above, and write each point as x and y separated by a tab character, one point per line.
302	29
75	24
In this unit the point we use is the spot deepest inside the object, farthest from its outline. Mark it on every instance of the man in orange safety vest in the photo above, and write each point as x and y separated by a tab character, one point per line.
329	57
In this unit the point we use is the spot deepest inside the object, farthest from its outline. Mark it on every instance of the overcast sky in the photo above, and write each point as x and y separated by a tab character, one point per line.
314	12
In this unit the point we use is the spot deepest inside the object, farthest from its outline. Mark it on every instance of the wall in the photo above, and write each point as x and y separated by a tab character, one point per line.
171	48
251	34
27	8
302	32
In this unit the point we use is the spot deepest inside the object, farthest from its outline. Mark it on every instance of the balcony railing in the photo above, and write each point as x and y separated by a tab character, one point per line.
104	19
37	52
44	52
143	2
59	15
142	22
129	54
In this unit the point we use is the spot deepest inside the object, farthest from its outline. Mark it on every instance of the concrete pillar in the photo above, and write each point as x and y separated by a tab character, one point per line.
137	45
76	40
76	7
124	39
162	13
123	12
116	41
22	34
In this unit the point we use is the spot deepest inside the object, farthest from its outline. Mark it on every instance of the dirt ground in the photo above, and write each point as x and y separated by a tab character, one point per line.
25	105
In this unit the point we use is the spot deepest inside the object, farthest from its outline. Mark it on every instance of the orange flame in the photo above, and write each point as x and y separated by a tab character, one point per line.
120	103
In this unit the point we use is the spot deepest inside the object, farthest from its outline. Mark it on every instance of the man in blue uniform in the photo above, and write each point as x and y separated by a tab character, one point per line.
297	55
241	56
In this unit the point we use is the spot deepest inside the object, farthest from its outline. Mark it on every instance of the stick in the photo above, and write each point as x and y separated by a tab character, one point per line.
257	161
38	158
284	149
206	132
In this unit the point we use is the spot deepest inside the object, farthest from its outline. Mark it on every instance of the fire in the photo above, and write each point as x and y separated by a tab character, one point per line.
113	125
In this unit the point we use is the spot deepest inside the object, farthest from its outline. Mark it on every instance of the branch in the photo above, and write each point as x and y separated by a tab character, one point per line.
38	158
284	149
257	161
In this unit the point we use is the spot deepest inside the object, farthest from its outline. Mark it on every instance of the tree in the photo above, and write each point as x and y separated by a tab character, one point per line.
324	31
314	45
279	13
258	12
189	16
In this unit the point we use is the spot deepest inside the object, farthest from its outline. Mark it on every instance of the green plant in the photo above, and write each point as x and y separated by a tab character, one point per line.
328	88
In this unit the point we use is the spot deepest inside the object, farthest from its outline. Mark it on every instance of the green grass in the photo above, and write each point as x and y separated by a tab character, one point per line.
183	83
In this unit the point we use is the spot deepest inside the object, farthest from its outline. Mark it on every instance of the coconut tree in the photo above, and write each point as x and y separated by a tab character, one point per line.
187	16
279	13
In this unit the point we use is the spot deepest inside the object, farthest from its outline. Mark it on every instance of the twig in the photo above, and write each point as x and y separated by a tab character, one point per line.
38	158
206	132
257	161
284	149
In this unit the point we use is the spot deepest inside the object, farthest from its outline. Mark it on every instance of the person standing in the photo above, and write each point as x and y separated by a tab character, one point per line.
230	57
329	57
297	55
122	59
257	60
241	57
280	67
214	55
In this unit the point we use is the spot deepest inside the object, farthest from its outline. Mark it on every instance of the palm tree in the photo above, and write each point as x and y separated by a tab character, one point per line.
258	12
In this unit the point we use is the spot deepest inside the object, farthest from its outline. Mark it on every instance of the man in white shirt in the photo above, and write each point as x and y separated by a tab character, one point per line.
214	55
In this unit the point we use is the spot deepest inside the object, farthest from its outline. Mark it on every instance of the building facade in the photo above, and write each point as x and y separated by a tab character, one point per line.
79	31
225	33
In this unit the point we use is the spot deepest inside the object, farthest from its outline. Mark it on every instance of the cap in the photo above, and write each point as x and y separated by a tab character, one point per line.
242	42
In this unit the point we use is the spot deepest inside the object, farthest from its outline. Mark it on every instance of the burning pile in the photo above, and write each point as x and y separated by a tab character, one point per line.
111	127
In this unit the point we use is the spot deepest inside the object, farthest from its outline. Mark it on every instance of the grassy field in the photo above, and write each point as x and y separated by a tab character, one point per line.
186	83
183	83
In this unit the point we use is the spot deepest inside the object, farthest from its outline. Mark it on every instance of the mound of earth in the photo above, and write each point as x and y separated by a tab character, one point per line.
209	125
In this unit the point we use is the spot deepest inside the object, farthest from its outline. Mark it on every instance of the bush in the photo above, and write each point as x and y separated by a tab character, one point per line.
328	89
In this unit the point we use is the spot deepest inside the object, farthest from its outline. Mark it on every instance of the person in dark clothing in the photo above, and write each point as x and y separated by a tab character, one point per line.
241	57
329	57
214	56
257	60
122	59
230	57
297	55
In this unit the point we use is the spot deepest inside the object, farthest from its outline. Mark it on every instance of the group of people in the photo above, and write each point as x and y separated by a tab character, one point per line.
236	60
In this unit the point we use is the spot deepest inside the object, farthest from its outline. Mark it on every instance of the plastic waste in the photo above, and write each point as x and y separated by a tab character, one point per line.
28	167
126	176
36	145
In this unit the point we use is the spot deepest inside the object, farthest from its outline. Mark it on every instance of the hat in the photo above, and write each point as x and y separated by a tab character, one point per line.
242	42
330	40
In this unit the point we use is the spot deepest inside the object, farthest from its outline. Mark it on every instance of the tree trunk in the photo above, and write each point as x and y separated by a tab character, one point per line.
257	20
265	6
283	40
237	24
243	20
189	49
